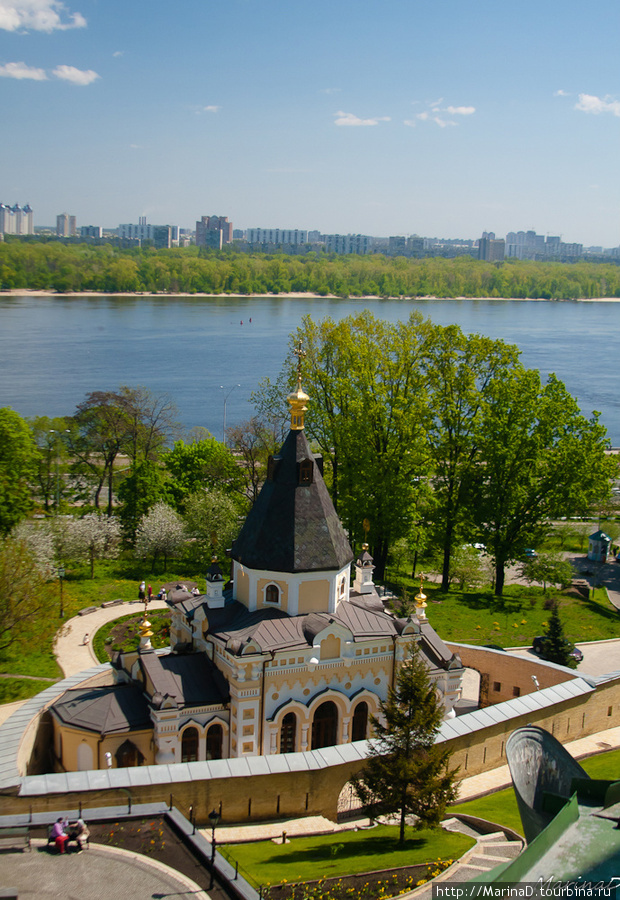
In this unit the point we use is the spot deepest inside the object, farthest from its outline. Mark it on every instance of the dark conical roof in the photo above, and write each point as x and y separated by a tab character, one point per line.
293	526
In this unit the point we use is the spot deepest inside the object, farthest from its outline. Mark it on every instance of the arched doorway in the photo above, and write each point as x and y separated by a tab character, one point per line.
359	726
189	745
288	733
325	726
215	740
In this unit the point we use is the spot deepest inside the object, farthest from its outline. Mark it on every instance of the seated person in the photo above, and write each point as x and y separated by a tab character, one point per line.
79	833
59	835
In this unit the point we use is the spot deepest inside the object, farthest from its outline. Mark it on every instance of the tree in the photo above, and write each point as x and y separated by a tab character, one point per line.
131	421
540	459
51	437
18	465
145	485
90	538
407	772
556	648
547	568
253	442
199	465
459	370
23	596
161	532
212	520
366	413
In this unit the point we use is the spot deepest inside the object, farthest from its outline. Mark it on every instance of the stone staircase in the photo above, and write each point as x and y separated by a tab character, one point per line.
491	850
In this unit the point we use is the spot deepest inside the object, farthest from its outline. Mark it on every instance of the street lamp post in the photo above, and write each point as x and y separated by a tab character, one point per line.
61	575
214	818
226	396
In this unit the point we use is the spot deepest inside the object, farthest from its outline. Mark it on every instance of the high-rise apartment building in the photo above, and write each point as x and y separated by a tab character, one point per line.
290	236
162	236
16	219
214	231
490	248
65	225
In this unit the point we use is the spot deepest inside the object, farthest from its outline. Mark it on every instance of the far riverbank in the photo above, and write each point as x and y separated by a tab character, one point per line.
295	295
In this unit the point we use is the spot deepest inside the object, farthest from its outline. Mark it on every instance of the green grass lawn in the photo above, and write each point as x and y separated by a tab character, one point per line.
12	689
33	654
309	858
478	617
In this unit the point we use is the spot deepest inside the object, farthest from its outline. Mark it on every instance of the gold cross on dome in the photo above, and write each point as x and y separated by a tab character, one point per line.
300	354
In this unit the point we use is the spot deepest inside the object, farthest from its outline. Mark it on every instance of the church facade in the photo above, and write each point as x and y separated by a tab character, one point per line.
290	655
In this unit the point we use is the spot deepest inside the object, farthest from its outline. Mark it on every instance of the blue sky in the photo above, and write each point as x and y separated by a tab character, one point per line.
395	117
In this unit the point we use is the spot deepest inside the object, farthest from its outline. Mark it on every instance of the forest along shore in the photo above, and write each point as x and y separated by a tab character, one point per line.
25	292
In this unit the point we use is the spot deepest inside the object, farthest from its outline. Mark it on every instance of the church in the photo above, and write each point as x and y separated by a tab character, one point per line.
295	652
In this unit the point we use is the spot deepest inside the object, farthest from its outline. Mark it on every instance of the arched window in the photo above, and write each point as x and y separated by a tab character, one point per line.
325	726
272	593
288	733
359	728
305	471
128	755
189	745
215	740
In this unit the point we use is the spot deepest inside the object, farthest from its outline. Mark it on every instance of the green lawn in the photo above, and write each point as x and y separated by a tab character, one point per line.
12	689
478	617
309	858
33	654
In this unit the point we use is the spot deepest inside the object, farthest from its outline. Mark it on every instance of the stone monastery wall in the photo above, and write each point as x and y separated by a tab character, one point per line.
568	705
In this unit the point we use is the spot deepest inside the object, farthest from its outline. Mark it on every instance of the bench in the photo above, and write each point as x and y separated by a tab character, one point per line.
17	838
87	610
81	841
111	603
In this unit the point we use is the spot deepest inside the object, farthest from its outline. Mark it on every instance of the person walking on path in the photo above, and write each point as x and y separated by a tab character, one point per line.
150	593
142	591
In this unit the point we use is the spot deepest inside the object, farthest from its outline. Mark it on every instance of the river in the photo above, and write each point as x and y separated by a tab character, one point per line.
56	349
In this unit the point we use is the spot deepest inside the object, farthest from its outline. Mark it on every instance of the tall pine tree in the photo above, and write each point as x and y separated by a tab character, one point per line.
556	647
407	772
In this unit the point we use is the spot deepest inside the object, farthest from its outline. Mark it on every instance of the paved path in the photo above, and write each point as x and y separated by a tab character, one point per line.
72	654
93	874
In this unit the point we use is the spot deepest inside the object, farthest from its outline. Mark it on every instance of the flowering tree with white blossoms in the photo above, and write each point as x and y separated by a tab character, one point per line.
90	538
160	532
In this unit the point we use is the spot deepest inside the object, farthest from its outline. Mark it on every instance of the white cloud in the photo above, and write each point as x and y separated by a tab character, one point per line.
212	109
21	70
588	103
75	76
38	15
118	53
560	93
344	118
437	114
460	110
331	90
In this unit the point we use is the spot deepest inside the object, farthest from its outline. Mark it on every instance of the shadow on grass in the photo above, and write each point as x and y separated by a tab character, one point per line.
379	846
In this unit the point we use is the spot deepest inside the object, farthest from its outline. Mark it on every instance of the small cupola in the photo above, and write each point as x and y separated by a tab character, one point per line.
364	567
215	585
298	398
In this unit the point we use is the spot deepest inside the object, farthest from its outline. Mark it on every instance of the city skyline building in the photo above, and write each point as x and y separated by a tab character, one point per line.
16	219
65	225
214	231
